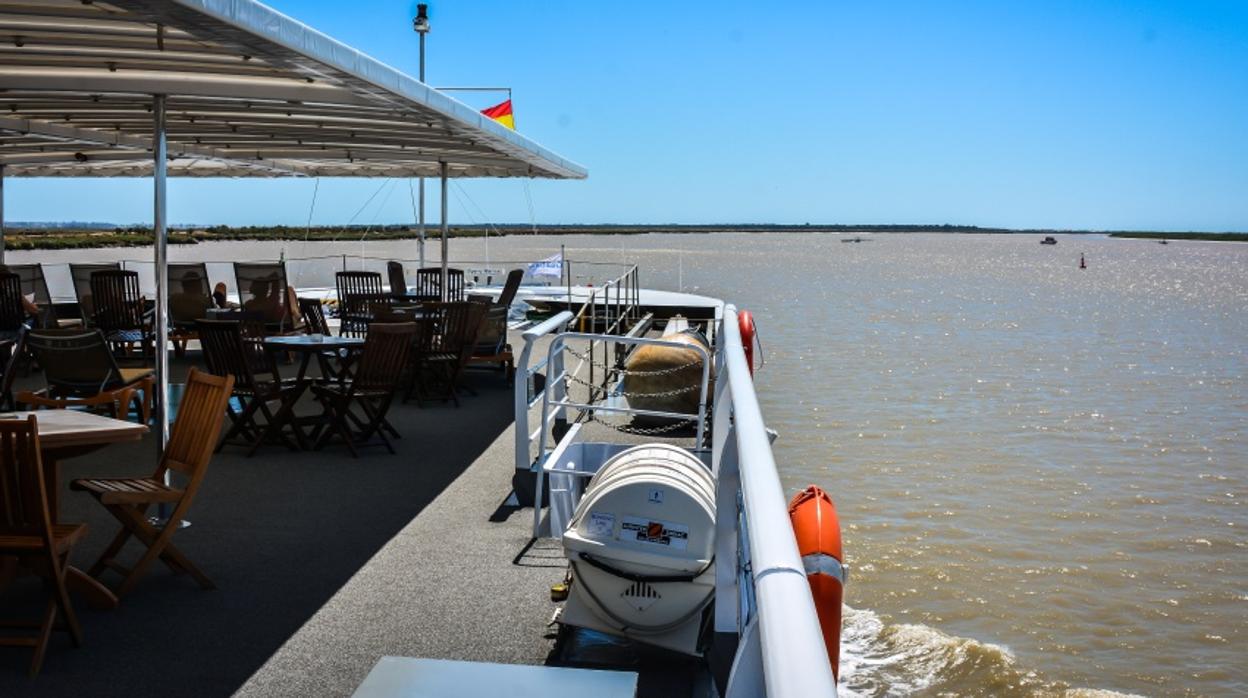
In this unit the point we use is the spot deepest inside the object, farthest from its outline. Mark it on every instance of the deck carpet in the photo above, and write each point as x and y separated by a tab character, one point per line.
279	533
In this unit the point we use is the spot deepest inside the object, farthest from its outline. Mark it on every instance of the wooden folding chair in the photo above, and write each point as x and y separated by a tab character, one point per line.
28	534
314	322
190	447
376	380
13	315
360	297
429	284
119	311
81	276
34	284
256	384
444	347
398	282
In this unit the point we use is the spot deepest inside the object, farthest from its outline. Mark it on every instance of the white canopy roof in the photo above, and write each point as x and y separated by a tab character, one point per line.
251	92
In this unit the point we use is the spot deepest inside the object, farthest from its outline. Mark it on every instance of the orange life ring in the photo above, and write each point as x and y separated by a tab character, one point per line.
745	323
818	533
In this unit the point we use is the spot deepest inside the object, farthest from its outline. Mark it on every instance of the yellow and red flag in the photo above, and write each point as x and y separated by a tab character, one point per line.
502	114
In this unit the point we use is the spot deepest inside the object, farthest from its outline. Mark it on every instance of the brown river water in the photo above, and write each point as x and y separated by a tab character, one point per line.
1040	469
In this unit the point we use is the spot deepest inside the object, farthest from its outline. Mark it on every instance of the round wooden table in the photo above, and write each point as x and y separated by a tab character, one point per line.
309	345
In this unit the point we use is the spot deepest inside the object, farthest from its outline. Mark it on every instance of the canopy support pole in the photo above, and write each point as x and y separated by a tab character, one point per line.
445	234
420	226
159	174
1	213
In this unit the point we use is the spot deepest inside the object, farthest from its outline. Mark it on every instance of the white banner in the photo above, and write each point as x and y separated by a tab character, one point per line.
551	266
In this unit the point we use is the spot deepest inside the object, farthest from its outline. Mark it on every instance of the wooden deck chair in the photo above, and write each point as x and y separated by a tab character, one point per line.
13	315
119	311
81	372
360	297
81	276
35	287
28	534
313	311
256	383
190	447
398	284
429	284
314	322
12	364
376	381
443	348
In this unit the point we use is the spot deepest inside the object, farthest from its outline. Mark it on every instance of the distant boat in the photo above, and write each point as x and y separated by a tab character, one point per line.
1163	241
855	239
1050	240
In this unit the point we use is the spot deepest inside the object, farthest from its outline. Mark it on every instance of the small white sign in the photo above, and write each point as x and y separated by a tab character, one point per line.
601	525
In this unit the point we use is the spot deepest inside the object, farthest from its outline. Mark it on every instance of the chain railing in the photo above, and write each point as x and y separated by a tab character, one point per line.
614	309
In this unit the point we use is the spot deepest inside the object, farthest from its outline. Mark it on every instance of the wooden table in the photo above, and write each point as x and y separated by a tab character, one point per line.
67	434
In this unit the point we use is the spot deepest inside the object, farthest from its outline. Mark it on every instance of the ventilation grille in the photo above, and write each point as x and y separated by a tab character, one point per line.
640	595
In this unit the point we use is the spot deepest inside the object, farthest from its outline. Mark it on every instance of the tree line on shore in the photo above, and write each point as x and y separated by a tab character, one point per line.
56	237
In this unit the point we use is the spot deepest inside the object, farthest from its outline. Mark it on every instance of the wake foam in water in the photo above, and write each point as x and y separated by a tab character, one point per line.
902	659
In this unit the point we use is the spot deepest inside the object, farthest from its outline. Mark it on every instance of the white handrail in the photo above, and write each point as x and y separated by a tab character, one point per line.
524	372
794	658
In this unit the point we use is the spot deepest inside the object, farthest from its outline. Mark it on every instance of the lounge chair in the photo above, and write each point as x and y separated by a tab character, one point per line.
491	347
262	289
81	372
190	298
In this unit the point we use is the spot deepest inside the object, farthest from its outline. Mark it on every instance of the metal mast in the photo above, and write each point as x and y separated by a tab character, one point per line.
421	26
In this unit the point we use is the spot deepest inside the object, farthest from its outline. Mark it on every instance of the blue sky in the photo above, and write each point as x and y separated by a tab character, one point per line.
1086	114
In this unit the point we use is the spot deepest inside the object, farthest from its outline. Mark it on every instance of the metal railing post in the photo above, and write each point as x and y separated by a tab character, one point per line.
727	544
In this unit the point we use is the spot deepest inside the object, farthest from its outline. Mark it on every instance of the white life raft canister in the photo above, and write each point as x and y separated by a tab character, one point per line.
642	547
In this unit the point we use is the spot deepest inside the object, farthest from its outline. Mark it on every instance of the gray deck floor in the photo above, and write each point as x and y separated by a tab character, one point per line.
341	559
325	564
458	582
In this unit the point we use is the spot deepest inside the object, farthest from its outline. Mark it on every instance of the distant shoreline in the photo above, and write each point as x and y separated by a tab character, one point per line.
30	237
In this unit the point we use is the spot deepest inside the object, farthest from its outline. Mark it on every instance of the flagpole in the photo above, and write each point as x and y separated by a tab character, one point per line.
421	26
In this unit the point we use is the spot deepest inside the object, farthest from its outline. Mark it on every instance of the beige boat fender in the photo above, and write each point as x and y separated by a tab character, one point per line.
666	378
